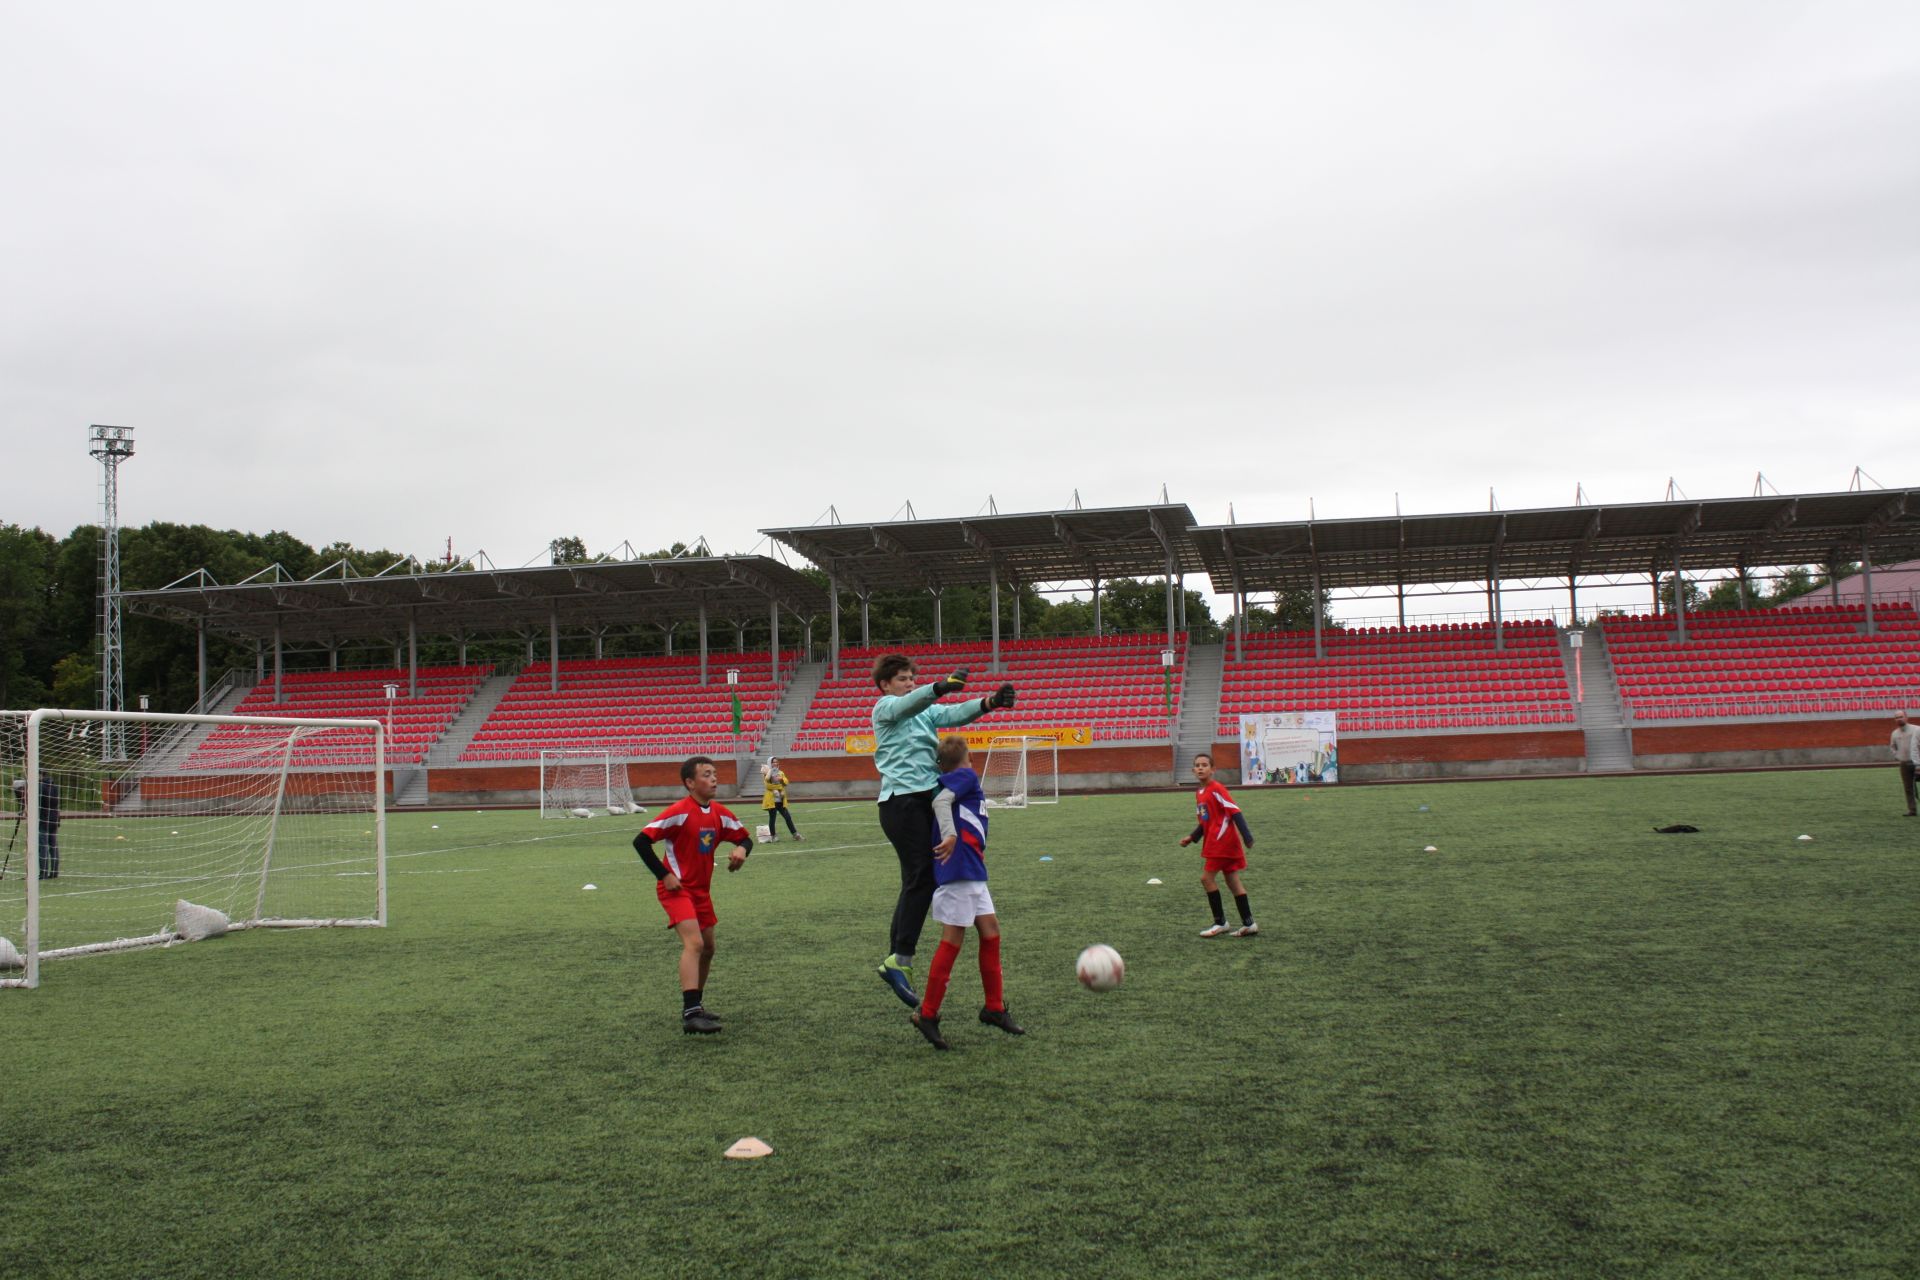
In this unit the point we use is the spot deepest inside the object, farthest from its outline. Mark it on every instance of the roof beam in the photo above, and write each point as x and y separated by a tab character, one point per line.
765	586
1075	548
1777	523
897	549
437	588
508	584
587	580
1585	544
668	576
294	597
1688	527
1888	512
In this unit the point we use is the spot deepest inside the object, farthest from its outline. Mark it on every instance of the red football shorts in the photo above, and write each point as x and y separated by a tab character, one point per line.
1232	862
687	904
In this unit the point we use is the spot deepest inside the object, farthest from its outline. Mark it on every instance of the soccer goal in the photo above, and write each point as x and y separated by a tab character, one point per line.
584	784
1021	770
134	829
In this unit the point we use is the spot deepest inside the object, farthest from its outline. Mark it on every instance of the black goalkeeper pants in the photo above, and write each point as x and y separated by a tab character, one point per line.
774	815
907	821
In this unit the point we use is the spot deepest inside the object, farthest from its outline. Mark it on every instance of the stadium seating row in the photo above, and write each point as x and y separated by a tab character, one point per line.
414	721
1803	660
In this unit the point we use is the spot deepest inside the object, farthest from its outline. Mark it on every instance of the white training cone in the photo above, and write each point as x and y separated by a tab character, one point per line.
1430	849
1153	882
748	1149
1803	839
436	826
589	887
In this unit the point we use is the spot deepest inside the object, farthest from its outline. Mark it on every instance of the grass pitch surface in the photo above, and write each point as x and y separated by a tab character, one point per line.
1560	1045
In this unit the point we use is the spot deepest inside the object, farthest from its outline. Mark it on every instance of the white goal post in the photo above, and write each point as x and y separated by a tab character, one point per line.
584	784
1022	770
135	829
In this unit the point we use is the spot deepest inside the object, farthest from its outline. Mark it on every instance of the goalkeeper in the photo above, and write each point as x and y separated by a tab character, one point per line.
906	732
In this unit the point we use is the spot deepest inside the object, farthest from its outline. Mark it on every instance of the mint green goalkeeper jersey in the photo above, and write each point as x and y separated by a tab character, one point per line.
906	737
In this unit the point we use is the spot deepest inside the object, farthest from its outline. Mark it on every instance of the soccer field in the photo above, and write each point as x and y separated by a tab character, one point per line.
1560	1045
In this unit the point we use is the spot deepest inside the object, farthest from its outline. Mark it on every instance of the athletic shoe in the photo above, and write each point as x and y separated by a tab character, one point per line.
1247	930
798	836
698	1022
896	977
1213	931
1002	1019
930	1028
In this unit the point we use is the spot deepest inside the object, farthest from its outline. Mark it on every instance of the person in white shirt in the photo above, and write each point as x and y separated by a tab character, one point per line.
1905	745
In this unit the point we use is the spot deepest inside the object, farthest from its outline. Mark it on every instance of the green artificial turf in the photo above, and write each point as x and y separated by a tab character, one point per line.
1561	1045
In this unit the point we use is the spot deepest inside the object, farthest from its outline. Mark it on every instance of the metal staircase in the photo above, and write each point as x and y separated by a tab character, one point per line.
1602	720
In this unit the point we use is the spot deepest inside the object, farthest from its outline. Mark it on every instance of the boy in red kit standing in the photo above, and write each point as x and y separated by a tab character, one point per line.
1224	840
960	896
691	828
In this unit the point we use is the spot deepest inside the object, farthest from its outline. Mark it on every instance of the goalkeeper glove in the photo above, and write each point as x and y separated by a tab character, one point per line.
952	684
1002	697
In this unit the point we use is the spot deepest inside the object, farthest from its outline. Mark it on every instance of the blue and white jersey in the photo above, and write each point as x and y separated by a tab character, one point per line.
968	861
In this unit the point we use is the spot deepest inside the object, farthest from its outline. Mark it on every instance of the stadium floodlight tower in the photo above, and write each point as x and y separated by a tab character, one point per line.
112	445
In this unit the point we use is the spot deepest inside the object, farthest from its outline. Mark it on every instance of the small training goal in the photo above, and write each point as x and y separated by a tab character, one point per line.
584	784
1022	769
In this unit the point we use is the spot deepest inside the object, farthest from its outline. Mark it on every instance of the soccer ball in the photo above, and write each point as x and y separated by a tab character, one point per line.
1100	968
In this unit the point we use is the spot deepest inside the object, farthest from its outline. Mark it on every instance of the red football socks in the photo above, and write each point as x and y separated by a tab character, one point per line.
938	974
990	973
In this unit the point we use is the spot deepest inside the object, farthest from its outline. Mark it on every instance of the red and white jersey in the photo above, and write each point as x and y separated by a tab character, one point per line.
687	836
1215	809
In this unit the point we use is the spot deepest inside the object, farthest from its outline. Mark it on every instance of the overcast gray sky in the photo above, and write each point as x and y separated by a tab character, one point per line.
401	272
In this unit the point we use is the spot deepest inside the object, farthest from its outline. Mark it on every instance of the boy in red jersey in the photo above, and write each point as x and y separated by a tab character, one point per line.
692	827
1224	840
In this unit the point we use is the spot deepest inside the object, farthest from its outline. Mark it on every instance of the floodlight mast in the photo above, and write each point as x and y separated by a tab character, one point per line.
112	445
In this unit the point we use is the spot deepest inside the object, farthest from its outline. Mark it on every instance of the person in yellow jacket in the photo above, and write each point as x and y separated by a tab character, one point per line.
774	801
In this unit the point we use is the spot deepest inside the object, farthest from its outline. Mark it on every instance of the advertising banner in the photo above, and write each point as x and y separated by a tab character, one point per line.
1289	748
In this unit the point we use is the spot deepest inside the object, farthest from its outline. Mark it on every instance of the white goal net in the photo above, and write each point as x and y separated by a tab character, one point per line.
134	829
1021	770
584	784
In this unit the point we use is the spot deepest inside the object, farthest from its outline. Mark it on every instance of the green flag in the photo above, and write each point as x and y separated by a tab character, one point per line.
736	714
1166	689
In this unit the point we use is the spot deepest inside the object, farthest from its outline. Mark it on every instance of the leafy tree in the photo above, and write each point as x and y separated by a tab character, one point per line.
26	574
568	551
76	681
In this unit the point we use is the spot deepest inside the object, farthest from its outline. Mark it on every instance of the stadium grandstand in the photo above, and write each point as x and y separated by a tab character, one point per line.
1587	690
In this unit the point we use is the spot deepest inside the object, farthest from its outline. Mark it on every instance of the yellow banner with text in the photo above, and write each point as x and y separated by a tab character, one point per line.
1077	735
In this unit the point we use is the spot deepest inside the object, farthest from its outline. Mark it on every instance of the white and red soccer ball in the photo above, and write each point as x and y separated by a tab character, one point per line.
1100	968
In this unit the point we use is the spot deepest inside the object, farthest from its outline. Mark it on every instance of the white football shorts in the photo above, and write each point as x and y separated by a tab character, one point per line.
962	902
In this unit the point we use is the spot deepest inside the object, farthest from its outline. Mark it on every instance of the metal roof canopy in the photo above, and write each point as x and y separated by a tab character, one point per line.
331	610
1562	542
1075	545
1045	546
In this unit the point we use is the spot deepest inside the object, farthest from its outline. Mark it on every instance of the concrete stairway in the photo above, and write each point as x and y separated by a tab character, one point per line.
784	723
459	734
1199	722
1609	748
